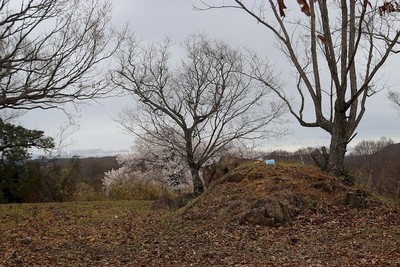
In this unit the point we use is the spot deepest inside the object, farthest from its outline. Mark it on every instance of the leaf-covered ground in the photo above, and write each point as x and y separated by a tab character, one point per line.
324	232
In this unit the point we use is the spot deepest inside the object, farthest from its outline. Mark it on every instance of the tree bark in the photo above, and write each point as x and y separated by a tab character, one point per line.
332	161
338	145
198	185
337	155
321	158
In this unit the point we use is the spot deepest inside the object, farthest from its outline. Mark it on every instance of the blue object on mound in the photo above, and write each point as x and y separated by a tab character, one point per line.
270	162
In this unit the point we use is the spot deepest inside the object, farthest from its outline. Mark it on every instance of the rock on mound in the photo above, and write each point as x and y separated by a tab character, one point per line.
269	195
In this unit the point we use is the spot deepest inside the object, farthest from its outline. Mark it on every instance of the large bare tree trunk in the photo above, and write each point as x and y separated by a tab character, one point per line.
198	185
333	160
337	151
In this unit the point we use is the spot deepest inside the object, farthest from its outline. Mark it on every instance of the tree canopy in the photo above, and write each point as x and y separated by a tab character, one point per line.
16	140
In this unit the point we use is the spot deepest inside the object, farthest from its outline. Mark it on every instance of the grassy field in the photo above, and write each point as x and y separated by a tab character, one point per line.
206	233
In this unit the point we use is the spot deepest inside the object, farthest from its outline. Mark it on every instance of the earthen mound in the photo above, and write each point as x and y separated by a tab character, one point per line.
255	193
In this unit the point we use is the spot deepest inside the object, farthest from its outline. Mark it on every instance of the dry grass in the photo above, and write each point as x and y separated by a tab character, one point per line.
138	190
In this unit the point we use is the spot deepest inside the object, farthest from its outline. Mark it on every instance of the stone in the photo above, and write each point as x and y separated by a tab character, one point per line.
321	158
268	212
218	169
26	240
324	186
166	202
163	202
357	199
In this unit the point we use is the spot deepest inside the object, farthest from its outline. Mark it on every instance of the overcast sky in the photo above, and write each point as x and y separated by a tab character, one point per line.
152	21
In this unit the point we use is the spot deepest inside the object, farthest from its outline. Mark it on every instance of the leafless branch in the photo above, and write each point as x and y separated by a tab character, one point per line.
51	50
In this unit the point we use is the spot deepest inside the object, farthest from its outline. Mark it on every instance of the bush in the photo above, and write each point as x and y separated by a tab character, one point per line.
137	190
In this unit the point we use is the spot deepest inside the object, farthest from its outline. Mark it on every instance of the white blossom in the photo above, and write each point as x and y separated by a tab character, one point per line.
150	163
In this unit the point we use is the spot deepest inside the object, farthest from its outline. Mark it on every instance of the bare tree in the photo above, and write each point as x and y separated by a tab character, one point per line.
370	147
336	48
395	98
198	107
373	163
51	50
